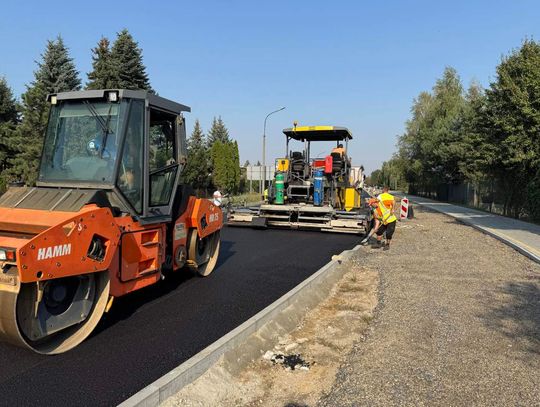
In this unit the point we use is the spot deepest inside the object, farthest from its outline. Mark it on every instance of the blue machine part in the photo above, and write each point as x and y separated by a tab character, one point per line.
318	188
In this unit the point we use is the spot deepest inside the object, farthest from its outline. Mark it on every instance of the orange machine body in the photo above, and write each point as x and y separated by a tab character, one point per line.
54	244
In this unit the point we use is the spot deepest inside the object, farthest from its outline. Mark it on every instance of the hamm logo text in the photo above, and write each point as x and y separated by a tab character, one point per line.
54	251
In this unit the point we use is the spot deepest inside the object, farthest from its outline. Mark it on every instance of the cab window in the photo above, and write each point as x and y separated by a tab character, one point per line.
162	157
130	178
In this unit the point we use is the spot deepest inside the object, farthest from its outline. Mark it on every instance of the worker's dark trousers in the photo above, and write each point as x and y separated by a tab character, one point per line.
390	228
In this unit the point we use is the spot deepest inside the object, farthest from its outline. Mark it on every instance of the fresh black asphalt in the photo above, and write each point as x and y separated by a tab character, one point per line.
150	332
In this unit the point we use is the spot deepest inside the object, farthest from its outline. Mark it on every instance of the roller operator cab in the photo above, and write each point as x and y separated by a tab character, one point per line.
108	216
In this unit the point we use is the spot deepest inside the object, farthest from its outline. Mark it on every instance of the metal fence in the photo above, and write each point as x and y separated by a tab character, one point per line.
486	195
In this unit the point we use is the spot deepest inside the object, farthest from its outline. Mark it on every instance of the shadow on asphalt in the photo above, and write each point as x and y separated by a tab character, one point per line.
519	318
126	306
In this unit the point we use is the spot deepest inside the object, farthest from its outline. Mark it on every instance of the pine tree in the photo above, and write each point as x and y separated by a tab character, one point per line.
8	105
56	73
127	64
218	132
9	118
197	167
102	75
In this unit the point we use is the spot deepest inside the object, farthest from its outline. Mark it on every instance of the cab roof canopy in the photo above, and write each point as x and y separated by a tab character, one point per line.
318	133
152	99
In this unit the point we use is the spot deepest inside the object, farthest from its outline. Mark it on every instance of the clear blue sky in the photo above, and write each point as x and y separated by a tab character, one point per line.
351	63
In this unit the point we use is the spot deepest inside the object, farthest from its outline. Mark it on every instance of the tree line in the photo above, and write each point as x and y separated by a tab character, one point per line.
213	161
489	138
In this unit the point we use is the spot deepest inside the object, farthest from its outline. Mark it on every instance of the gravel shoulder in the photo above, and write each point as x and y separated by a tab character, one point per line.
458	323
448	316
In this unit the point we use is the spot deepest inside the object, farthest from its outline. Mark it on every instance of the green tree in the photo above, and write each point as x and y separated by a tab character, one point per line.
490	138
196	172
473	162
432	148
235	172
446	143
9	118
411	144
374	178
226	166
511	127
218	132
56	73
102	75
9	111
127	64
218	159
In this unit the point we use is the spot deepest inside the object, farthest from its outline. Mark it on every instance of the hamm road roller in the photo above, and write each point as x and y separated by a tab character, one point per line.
108	216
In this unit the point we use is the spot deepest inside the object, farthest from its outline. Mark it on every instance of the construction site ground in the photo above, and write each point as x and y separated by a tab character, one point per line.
448	316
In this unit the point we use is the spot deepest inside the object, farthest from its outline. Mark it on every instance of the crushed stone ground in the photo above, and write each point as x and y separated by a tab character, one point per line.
458	323
448	316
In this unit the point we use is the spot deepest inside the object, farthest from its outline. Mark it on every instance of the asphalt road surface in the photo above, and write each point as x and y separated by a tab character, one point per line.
148	333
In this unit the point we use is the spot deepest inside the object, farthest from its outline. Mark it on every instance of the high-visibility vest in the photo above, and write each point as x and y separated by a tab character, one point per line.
339	150
384	214
387	199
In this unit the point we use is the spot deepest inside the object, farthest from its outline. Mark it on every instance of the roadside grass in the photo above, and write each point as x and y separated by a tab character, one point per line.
243	199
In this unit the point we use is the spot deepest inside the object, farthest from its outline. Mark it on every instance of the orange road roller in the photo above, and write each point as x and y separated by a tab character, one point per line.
109	215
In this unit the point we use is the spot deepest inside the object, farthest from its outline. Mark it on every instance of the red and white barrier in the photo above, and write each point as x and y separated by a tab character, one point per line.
404	212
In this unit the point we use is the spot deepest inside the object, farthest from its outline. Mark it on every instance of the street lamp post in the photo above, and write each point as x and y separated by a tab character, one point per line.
263	186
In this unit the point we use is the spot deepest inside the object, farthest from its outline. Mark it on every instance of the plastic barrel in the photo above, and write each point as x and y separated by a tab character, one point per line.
318	190
279	189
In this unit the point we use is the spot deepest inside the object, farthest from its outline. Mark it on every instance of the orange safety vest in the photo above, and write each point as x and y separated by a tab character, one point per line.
387	199
384	214
339	150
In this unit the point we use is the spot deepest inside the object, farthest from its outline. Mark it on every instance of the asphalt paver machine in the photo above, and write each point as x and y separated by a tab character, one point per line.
108	216
312	193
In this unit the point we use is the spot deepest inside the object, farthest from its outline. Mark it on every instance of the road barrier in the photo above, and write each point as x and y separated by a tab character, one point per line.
404	211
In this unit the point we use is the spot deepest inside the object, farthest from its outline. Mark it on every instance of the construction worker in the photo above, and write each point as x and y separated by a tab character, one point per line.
339	150
387	199
385	221
216	198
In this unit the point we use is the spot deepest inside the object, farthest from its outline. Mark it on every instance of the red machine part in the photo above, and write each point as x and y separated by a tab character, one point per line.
328	163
